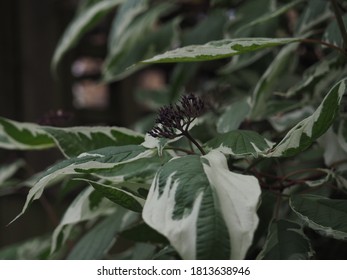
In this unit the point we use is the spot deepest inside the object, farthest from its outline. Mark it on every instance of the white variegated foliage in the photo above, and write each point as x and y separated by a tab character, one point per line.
302	135
205	210
218	49
102	159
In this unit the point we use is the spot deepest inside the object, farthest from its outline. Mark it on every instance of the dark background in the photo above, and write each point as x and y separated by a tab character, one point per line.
29	33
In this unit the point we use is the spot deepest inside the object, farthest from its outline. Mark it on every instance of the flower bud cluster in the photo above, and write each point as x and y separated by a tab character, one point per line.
174	120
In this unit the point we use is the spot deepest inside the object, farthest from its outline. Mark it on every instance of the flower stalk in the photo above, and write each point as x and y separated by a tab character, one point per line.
174	120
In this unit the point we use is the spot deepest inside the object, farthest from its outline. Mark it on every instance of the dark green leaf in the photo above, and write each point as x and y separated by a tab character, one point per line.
327	216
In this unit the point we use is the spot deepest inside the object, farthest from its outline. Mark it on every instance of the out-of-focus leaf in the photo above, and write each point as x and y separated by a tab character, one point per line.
83	208
327	216
286	241
23	136
270	15
95	244
81	24
301	136
233	116
315	12
7	171
140	40
264	87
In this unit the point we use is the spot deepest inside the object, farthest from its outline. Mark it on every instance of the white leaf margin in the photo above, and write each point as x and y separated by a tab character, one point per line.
238	196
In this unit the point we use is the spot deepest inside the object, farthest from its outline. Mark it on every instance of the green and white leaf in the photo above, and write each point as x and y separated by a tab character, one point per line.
240	143
313	75
233	116
140	40
8	170
286	241
105	158
327	216
308	130
23	136
81	24
126	13
316	12
332	33
81	209
218	49
334	149
269	16
125	194
205	210
95	244
282	122
74	141
264	88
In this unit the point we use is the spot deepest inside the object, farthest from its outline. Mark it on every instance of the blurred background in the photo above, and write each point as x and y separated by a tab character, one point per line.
30	92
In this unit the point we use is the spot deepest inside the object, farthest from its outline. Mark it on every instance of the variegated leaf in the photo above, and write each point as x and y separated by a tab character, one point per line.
264	88
240	143
81	24
325	215
105	158
81	209
76	140
218	49
8	170
205	210
308	130
23	136
286	241
126	194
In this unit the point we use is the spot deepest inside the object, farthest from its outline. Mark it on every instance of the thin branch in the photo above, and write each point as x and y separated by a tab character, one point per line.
331	46
187	134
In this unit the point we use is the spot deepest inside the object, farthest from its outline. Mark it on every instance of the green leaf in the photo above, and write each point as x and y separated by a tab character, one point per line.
23	136
269	16
139	41
301	136
233	116
32	249
218	49
81	24
83	208
332	33
264	88
327	216
316	12
286	241
205	210
240	143
102	159
143	233
126	14
76	140
119	194
95	244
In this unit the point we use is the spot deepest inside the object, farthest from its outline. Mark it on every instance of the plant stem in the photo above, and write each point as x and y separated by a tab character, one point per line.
340	23
186	134
331	46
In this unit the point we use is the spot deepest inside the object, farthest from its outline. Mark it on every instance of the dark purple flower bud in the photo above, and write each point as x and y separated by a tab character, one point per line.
175	119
